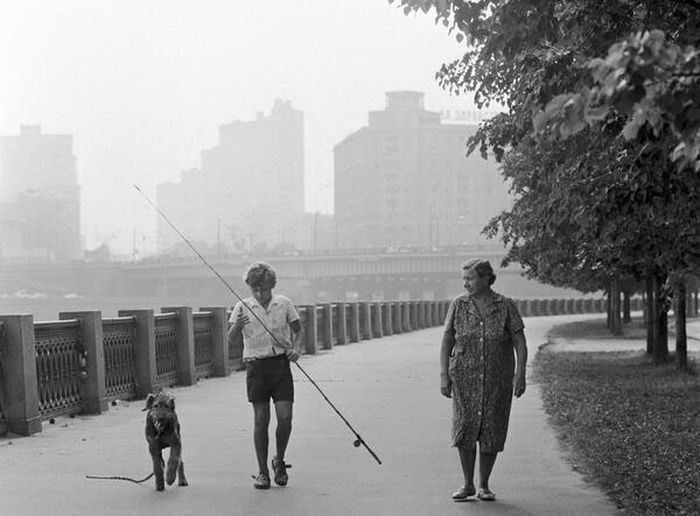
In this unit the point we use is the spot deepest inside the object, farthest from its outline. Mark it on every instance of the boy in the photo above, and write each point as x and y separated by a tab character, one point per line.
268	373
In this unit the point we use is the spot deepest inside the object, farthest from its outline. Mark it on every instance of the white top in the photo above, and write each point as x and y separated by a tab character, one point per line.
257	342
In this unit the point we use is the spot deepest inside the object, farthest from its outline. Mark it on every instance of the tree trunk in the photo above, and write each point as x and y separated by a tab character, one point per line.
626	311
649	313
661	323
615	320
681	337
608	307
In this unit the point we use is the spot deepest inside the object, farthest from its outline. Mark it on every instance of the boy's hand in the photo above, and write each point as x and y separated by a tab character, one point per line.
241	320
293	355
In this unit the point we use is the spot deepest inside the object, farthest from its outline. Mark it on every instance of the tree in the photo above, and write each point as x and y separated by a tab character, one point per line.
649	80
596	206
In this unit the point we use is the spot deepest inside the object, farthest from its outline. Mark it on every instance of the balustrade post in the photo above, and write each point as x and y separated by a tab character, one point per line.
144	350
366	321
569	307
598	306
310	333
354	327
396	323
535	307
18	367
93	387
428	314
219	339
378	326
386	318
406	315
327	339
185	344
342	324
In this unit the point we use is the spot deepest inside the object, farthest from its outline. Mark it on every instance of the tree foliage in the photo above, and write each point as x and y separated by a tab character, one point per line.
601	135
609	188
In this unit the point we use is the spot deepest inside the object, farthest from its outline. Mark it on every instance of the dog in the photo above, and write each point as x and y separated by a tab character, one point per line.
163	431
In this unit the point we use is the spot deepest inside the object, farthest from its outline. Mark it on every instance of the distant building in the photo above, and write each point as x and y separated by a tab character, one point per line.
404	181
249	190
39	197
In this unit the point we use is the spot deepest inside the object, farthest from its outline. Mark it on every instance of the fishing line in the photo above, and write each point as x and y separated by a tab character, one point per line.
359	441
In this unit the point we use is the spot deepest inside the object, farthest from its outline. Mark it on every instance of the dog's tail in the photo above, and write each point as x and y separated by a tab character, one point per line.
128	479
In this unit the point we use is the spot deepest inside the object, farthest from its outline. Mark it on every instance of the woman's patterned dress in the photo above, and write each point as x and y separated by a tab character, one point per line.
481	369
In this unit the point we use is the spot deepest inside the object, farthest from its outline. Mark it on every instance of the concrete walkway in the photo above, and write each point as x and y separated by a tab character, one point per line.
625	343
387	388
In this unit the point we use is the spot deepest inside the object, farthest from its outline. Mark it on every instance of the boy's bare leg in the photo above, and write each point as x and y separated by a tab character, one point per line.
261	411
283	410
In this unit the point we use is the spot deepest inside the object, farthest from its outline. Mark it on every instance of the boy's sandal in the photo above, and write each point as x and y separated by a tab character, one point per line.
486	495
262	481
280	468
463	493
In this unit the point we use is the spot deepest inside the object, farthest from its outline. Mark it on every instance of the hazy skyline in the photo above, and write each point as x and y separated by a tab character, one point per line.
144	86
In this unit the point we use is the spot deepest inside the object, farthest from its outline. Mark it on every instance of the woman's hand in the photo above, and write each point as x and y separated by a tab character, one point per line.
445	386
519	384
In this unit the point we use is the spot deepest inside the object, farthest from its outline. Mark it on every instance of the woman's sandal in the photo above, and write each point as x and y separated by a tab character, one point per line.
486	495
463	493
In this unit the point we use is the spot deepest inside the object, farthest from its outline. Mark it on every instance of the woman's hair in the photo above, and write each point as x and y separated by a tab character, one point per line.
261	274
482	268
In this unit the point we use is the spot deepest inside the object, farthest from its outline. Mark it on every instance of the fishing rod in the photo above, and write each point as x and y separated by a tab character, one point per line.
359	441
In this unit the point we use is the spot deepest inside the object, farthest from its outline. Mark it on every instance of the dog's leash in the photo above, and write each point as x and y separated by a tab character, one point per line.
95	477
359	441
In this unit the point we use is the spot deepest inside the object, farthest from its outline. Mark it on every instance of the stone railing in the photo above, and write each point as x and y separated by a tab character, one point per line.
82	362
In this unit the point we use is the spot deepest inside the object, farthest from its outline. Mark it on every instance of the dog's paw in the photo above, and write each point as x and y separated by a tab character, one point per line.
170	476
183	482
160	487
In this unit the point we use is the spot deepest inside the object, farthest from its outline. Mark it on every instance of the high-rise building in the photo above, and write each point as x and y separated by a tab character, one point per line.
250	188
39	197
404	180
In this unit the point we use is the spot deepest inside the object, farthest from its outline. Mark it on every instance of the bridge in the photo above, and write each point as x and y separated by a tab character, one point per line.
387	387
305	278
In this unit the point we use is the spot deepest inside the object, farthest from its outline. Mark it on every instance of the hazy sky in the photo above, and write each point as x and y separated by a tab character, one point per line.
143	85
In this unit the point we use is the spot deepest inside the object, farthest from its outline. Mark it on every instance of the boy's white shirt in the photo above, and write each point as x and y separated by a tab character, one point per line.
257	342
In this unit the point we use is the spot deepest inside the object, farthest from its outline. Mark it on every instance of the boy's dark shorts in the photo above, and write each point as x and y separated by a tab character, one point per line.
269	378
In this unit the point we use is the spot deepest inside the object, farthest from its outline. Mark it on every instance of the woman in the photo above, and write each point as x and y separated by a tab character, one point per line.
476	370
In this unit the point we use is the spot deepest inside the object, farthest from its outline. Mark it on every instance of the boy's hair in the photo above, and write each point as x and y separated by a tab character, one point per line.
261	274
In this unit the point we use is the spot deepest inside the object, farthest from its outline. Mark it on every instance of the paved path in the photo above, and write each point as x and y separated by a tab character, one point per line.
387	388
625	343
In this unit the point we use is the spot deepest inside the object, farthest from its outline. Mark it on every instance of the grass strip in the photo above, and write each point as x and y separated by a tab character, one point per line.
629	426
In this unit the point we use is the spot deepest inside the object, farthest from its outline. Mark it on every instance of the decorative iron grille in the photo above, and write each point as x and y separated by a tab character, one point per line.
166	349
59	352
203	343
120	368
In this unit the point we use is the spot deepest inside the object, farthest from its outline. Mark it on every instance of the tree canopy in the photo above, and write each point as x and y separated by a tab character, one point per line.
600	137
